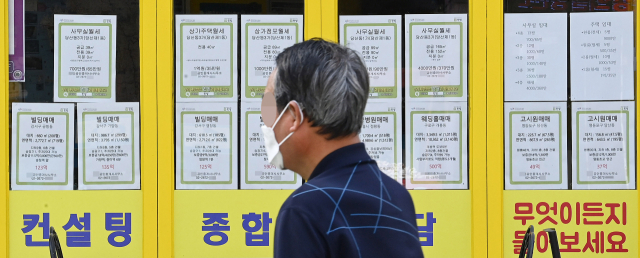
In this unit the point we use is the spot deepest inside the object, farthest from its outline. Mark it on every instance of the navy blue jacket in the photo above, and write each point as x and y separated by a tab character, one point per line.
348	208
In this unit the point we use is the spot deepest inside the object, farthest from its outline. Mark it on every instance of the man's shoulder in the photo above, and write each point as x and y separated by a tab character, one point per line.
367	186
304	197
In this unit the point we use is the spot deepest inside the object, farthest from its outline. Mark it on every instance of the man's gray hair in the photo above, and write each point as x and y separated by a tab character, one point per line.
329	81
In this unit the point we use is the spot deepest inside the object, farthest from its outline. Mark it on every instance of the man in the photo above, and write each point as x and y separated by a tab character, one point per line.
313	109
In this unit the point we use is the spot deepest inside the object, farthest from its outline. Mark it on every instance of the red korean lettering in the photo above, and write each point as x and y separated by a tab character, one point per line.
569	242
612	215
543	209
598	240
542	238
577	213
616	245
563	215
528	210
517	243
592	209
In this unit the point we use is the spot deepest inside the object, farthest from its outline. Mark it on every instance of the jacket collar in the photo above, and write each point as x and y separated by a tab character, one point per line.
342	157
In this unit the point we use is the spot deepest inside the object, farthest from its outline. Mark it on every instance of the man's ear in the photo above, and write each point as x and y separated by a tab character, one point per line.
297	115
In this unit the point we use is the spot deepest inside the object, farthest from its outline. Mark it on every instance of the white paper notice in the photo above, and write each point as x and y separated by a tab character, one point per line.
436	56
263	37
602	57
206	58
535	63
255	170
108	145
535	140
604	145
206	145
382	136
42	146
436	142
84	58
378	39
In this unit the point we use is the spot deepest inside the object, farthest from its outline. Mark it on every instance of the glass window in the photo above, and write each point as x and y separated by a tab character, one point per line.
225	51
75	114
416	54
563	129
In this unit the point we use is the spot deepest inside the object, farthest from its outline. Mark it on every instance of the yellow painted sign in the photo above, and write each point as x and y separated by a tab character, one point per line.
88	223
452	226
588	223
222	223
210	223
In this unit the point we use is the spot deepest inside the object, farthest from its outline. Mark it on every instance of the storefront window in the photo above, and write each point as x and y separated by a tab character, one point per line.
417	57
225	52
75	96
564	129
568	85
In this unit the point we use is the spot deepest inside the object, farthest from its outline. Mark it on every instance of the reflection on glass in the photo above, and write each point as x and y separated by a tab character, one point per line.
386	7
239	7
39	24
549	6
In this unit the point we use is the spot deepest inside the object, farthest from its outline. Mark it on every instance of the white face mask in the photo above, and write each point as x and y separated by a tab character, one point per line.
271	143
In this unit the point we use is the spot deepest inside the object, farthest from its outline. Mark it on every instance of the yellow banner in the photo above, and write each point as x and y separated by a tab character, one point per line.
223	223
451	210
88	223
588	223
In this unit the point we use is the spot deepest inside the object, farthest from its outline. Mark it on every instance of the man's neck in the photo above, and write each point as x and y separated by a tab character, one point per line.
319	150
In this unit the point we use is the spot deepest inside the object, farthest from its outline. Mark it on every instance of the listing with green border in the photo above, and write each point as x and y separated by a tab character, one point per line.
42	146
436	142
108	145
378	39
436	56
382	136
84	58
255	170
206	145
603	145
535	140
206	58
262	38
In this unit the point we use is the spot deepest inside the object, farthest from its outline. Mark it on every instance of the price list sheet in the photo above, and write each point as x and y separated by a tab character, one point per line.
436	57
382	135
535	57
42	146
206	145
535	145
262	38
602	57
436	142
255	170
378	39
84	58
108	145
206	58
604	145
